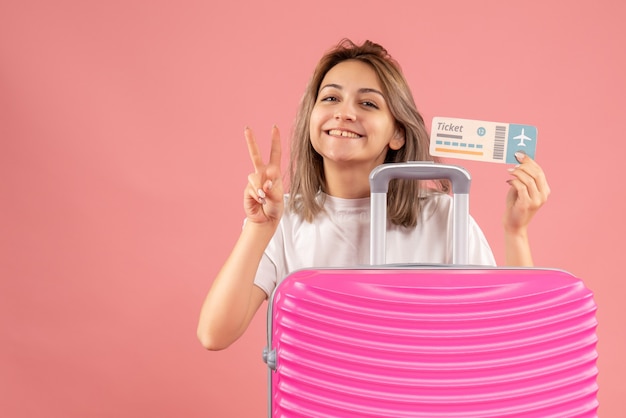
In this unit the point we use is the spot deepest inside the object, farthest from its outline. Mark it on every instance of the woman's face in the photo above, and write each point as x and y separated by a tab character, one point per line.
351	123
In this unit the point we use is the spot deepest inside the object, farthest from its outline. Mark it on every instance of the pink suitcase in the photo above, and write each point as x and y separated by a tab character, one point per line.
431	341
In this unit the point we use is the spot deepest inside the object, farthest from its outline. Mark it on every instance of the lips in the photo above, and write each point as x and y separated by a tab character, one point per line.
343	134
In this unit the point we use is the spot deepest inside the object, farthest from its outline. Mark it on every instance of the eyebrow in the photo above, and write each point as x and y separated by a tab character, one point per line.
361	90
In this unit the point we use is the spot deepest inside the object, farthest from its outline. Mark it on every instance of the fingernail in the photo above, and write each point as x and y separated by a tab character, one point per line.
519	155
269	184
261	193
512	169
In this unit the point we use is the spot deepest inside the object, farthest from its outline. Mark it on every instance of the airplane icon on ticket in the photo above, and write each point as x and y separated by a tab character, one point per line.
522	137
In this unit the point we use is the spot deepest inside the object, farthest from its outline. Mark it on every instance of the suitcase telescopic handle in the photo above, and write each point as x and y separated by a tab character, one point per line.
460	180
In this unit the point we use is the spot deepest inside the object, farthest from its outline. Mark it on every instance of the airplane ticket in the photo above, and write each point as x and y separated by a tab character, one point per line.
480	140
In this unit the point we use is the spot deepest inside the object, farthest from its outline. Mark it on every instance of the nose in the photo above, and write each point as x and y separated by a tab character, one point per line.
345	116
345	112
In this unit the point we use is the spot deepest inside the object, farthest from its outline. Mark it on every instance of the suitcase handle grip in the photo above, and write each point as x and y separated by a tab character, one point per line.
379	185
420	170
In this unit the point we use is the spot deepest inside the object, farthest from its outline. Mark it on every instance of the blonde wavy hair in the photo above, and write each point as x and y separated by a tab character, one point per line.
306	170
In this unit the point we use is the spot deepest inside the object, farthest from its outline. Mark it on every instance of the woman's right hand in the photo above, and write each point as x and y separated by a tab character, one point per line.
233	299
263	197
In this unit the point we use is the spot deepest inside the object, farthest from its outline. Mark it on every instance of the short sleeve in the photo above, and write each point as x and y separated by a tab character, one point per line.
272	265
479	250
266	276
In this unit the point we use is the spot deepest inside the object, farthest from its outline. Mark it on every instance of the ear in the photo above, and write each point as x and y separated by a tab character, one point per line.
397	141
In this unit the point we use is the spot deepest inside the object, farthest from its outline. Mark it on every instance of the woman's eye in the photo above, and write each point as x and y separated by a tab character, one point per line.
370	104
329	99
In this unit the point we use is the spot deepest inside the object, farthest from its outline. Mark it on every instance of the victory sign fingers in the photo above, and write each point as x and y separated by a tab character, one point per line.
264	184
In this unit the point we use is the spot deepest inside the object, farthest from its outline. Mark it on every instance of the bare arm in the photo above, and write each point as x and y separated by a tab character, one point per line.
529	191
233	299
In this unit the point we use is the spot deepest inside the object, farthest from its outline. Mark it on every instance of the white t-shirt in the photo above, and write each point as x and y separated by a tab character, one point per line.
340	237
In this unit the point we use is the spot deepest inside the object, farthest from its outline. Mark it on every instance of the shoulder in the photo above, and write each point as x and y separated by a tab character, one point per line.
291	218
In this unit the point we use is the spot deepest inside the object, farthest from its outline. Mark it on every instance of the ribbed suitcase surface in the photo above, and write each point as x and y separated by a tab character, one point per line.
432	342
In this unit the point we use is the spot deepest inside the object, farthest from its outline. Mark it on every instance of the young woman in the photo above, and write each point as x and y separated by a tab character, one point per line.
357	113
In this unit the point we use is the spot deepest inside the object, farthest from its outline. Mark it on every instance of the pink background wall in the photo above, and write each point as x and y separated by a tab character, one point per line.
122	162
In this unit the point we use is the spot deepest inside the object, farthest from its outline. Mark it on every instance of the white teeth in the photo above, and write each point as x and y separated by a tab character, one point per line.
346	134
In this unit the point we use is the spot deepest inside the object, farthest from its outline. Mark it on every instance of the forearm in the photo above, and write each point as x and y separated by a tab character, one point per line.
517	249
233	299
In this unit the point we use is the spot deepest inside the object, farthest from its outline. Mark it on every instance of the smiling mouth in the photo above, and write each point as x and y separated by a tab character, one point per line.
344	134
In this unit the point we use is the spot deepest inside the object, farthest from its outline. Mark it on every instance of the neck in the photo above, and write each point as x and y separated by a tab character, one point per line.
347	182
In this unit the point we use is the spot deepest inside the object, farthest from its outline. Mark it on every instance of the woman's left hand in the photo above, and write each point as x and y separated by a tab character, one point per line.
529	191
